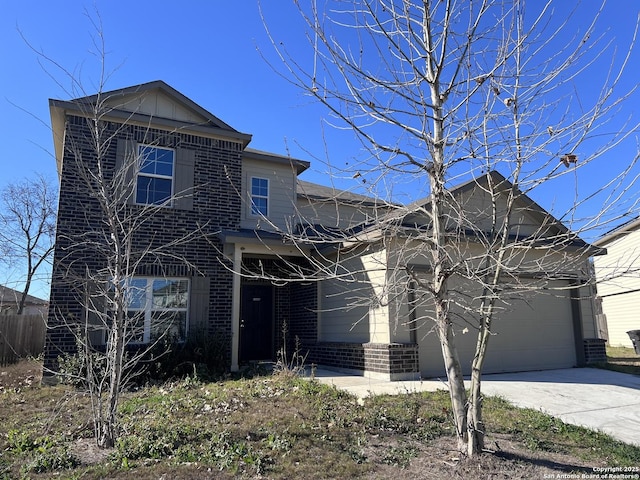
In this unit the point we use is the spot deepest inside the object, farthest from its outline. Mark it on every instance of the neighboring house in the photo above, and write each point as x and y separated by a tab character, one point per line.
10	300
272	239
618	281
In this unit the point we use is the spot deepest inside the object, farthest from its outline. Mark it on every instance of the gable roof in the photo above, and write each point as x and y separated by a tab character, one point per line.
154	103
300	165
625	229
11	296
121	97
500	183
410	219
314	191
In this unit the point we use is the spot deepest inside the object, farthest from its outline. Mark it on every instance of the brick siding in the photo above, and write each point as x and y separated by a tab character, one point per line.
395	359
216	206
595	350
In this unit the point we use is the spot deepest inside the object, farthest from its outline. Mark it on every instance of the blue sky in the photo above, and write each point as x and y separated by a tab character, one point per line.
209	51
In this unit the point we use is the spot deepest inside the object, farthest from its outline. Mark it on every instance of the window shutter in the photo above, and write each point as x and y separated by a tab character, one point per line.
125	173
183	189
199	306
95	316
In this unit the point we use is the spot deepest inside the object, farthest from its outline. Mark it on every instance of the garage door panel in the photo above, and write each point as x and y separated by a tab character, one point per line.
535	334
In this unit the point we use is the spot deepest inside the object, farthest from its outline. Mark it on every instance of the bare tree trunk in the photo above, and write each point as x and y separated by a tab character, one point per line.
25	292
116	362
457	392
475	424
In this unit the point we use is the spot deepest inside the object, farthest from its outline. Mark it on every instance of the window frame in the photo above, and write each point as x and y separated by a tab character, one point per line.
148	309
168	202
254	210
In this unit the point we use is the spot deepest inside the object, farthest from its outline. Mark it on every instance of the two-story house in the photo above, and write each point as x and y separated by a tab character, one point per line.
273	249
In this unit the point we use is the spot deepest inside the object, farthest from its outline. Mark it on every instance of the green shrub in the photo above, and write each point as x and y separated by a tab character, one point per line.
43	452
51	460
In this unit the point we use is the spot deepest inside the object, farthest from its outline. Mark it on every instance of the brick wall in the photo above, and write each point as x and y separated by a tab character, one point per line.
81	224
594	350
395	360
341	355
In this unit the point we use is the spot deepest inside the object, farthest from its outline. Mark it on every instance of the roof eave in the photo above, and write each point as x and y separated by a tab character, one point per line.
300	165
622	230
59	109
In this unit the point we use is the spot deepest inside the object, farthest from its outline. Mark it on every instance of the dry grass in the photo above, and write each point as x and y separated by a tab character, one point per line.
622	359
279	427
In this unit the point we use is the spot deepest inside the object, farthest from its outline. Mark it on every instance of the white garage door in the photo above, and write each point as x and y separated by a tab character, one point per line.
532	333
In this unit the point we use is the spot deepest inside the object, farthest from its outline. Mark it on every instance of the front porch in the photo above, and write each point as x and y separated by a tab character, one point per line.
275	289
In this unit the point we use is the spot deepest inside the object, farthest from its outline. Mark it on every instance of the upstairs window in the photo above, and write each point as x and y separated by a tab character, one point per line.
259	196
154	183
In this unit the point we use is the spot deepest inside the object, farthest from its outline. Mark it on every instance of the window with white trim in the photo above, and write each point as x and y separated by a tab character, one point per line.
157	308
259	196
154	182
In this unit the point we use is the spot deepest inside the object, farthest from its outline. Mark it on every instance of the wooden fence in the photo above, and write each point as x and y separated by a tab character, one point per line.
21	336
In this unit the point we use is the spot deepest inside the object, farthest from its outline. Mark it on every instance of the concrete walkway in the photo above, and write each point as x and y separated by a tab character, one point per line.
598	399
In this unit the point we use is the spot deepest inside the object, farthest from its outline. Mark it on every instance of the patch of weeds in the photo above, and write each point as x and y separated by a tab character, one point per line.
157	441
20	441
182	400
336	408
400	456
279	442
621	359
54	459
618	366
420	415
356	452
315	389
235	456
535	429
541	432
267	387
5	468
41	453
142	404
72	370
334	414
289	365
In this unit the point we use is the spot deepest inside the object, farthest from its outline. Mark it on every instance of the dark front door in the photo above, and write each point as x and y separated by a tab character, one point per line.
256	323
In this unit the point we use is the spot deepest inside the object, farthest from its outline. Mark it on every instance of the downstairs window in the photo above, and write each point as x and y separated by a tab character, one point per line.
157	308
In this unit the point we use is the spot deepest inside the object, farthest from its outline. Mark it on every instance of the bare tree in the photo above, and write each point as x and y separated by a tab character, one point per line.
99	260
109	238
27	228
441	92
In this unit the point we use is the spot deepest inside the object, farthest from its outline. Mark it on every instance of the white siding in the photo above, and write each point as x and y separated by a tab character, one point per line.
618	275
333	214
344	312
355	308
375	269
282	195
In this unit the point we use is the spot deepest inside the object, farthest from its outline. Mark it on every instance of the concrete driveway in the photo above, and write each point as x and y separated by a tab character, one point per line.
594	398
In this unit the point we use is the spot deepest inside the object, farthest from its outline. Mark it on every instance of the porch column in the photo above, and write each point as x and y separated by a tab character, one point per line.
235	310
